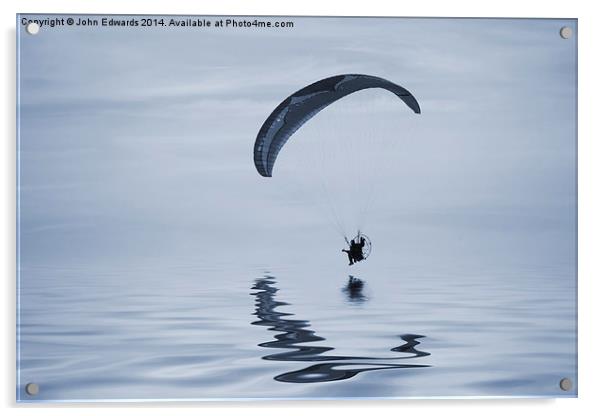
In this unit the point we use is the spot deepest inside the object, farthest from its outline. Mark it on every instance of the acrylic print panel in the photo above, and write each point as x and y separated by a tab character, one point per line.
218	207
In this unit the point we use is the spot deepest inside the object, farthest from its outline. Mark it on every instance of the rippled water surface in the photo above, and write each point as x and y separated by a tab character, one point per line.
193	332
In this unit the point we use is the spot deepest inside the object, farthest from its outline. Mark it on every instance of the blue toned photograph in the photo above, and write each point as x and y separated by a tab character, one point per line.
273	207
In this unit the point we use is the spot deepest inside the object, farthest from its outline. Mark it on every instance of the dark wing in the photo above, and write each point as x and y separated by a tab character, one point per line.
299	107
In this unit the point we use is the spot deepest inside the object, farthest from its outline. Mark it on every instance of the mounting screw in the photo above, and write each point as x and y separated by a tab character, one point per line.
566	384
566	32
32	28
32	389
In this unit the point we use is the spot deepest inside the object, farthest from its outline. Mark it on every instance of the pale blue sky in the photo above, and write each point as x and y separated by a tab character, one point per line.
137	143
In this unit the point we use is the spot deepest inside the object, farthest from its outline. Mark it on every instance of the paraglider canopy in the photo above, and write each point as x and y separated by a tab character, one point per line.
301	106
298	108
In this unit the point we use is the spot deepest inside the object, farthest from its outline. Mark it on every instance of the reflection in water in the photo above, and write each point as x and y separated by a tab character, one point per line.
354	290
294	332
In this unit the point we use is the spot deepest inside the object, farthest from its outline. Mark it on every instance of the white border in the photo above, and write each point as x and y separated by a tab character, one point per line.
590	206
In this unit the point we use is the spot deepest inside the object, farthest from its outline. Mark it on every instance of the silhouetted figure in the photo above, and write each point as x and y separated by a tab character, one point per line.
355	252
359	255
349	256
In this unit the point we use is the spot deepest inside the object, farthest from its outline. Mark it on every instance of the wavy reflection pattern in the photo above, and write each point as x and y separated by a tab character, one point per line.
294	332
